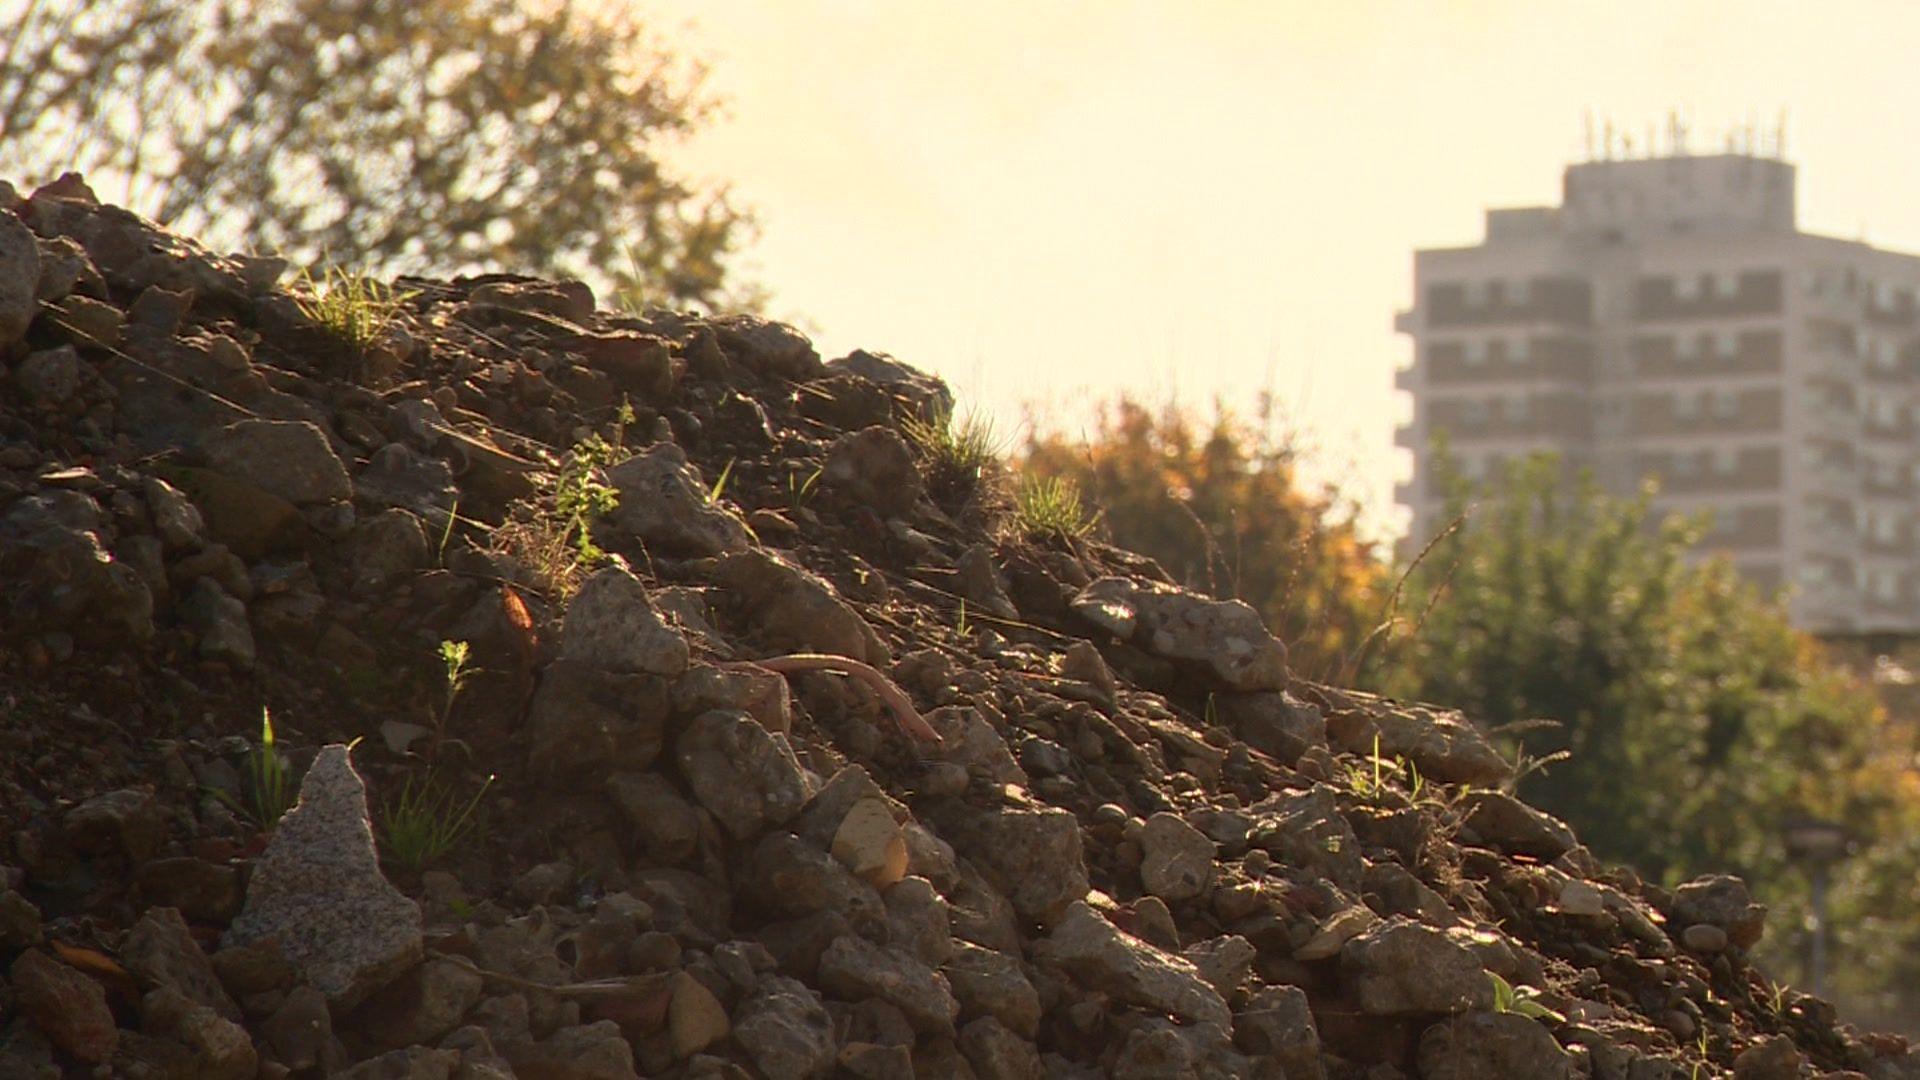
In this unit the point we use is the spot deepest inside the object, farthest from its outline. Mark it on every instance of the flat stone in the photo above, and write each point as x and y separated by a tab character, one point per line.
1485	1044
1402	967
695	1018
290	458
318	892
1177	859
19	275
161	952
1098	955
853	968
745	775
611	625
786	1030
69	1008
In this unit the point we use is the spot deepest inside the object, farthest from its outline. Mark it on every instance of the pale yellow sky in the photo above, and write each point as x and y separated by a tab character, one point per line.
1054	201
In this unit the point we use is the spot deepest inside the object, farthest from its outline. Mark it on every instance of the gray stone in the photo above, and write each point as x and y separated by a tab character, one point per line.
1484	1044
1771	1057
611	625
89	323
1442	744
1403	967
317	890
853	968
69	1008
1176	859
768	348
997	1053
420	1006
175	517
1704	938
928	395
1514	827
664	503
586	721
160	952
745	775
785	1030
918	920
991	983
875	468
791	878
397	475
1276	1023
61	578
595	1051
19	275
793	608
221	1048
299	1034
387	545
412	1063
1099	956
666	824
1307	829
50	376
1273	722
1030	854
1224	961
979	580
290	458
1721	900
760	693
220	622
126	823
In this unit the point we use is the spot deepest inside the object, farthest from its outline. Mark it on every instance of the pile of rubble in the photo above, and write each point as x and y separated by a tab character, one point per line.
813	768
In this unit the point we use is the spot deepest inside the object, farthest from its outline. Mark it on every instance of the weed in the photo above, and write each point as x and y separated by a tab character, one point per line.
427	821
799	491
267	780
1777	997
719	487
1525	1001
351	305
953	457
1049	507
558	547
961	626
446	535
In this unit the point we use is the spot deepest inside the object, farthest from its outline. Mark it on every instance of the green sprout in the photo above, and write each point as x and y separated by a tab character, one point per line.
1525	1001
351	305
267	781
1050	508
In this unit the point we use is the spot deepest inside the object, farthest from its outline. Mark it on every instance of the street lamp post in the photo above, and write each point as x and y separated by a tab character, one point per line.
1817	845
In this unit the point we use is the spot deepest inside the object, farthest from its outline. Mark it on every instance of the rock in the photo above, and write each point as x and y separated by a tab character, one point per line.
1405	967
221	1048
853	968
785	1030
569	300
664	503
1176	859
1333	934
793	608
387	545
768	348
695	1018
1030	854
666	825
871	843
1581	899
1225	961
19	274
1507	1045
61	578
581	1052
1721	900
1273	722
290	458
68	1007
997	1053
1100	957
611	625
48	377
317	890
745	775
1514	827
919	920
927	395
220	622
1276	1023
758	692
412	1063
19	922
299	1034
175	518
1771	1057
979	580
990	983
1441	743
89	323
397	475
1307	829
1704	938
874	467
64	268
127	823
1225	638
420	1006
161	953
585	721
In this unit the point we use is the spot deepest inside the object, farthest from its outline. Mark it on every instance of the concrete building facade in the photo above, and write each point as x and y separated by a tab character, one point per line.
1669	321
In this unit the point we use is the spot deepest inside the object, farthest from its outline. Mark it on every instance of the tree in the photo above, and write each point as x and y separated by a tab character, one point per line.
1696	719
1219	504
394	135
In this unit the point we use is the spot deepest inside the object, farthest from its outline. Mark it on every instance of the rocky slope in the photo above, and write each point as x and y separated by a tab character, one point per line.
1037	813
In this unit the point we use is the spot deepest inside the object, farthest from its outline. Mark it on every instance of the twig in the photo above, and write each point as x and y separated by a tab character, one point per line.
896	700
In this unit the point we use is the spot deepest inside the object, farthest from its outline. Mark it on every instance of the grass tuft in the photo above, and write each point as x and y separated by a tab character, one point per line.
426	821
351	305
1049	508
267	790
953	456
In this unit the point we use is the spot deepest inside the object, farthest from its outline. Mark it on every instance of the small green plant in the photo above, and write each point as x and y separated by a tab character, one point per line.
1777	997
1524	1001
719	487
1049	507
267	782
426	821
961	626
799	490
453	665
953	456
351	305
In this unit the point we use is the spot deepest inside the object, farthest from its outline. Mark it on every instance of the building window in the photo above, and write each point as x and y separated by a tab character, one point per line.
1687	346
1726	343
1686	287
1517	350
1475	352
1475	294
1520	292
1726	285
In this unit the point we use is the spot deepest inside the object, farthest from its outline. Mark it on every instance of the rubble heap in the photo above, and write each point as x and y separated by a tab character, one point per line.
814	766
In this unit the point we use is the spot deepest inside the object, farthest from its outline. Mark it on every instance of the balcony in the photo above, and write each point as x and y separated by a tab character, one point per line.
1550	300
1755	352
1756	292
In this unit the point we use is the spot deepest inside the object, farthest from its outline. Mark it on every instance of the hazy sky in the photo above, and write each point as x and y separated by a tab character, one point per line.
1051	202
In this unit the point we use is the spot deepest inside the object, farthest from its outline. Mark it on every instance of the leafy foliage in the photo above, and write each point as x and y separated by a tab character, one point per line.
390	134
1219	504
1697	719
1524	1001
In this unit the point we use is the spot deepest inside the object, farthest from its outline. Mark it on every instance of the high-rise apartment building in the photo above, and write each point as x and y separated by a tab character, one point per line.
1669	320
